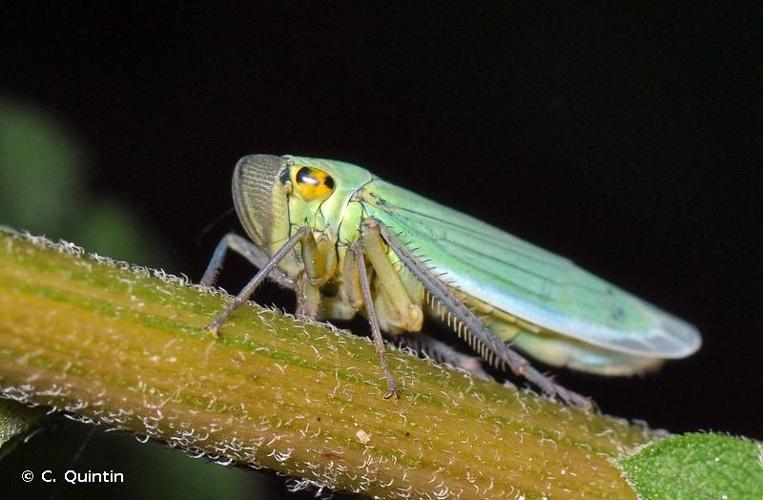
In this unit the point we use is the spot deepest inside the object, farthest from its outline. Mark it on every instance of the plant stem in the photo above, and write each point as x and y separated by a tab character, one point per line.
124	346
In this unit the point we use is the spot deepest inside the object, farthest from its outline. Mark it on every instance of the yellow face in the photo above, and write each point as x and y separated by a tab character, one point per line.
309	183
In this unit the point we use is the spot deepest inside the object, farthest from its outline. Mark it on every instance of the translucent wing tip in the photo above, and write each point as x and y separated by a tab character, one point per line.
668	338
677	338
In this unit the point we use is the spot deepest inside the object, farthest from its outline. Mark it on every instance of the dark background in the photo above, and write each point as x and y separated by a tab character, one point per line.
627	140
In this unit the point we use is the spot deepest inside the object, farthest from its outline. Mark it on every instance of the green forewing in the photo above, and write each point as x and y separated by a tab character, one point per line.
525	280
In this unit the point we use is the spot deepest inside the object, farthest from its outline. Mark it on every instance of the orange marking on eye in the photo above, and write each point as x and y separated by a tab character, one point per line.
312	183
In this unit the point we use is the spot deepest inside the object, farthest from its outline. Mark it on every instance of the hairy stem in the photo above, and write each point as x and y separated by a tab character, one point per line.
125	347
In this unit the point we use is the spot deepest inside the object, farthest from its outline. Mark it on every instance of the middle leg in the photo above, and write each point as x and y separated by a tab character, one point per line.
357	253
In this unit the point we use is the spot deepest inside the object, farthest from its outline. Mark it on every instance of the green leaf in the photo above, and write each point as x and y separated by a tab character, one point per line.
695	466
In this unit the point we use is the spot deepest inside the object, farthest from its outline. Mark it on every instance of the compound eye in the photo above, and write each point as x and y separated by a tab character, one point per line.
311	183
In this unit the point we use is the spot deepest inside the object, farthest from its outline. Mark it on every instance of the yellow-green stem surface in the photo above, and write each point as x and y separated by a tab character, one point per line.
124	346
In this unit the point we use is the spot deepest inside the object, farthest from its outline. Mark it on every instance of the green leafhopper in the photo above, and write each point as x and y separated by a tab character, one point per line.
347	241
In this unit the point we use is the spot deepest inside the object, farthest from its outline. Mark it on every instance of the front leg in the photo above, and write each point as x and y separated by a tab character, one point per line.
320	261
214	327
247	249
308	297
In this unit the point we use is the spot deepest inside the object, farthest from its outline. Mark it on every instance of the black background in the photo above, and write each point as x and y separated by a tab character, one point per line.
627	140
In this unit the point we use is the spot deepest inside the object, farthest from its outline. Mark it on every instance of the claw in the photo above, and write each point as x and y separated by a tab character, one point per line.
391	391
213	329
575	399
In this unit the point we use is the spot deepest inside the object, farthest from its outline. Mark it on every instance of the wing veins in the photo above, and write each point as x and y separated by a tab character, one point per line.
564	285
512	246
542	296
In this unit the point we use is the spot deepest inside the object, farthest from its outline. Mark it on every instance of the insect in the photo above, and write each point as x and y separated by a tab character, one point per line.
347	241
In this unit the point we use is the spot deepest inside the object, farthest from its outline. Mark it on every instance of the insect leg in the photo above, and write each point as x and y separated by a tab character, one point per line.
351	291
357	251
320	261
482	334
308	297
248	290
398	311
441	352
247	249
319	258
